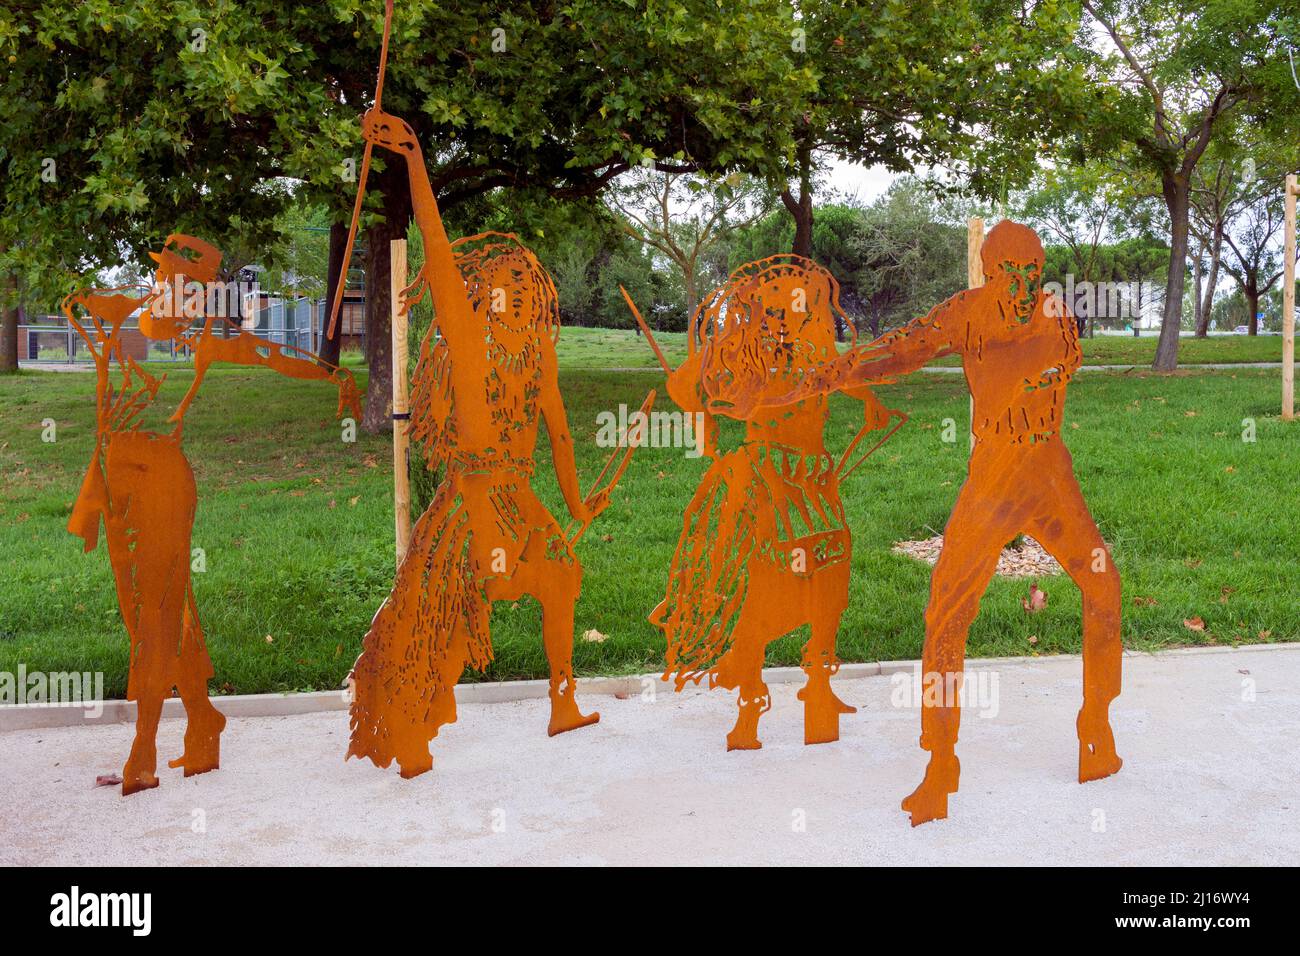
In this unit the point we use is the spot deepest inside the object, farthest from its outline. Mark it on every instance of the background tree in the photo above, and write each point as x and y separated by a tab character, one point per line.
976	86
683	217
1255	256
1184	72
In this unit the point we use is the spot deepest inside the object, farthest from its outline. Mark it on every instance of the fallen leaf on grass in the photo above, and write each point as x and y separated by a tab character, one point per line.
352	502
1194	624
594	636
1143	601
1033	639
1037	599
1224	593
270	639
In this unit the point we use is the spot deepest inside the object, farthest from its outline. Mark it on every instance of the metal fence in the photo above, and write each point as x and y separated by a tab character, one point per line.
50	340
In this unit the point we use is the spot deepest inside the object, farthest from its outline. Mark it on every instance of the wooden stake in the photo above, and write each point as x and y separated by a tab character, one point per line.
974	279
1288	306
401	398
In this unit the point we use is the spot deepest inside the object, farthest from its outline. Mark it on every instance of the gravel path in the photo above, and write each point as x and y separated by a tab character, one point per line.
1211	742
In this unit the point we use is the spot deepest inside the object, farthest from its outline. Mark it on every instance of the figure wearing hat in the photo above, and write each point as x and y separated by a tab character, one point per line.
140	485
1019	349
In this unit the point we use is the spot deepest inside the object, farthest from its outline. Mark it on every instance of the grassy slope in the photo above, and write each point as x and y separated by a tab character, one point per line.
623	348
297	526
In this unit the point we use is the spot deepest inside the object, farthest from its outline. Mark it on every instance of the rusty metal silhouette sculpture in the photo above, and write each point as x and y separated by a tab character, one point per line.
1019	349
140	485
765	547
485	379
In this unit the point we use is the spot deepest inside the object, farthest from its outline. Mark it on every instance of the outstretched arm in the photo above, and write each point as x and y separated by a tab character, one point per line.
557	427
941	332
248	349
906	349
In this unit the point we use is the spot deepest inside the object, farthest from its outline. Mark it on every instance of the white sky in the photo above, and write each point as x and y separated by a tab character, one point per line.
859	182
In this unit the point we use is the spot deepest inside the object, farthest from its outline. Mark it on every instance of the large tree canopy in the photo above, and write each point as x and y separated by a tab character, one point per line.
133	119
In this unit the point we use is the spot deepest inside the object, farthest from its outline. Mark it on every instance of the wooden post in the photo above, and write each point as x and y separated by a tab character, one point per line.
1288	306
401	400
974	279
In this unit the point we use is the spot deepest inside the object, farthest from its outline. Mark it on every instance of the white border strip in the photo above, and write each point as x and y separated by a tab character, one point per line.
38	716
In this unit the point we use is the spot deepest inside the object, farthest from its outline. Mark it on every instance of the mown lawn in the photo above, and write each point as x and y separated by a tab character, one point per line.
297	526
624	348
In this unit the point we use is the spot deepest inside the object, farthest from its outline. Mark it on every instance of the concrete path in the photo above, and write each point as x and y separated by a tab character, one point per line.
1211	743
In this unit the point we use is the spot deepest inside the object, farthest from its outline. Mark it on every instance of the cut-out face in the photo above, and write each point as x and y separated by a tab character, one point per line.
1019	286
183	260
510	292
767	326
1013	267
793	320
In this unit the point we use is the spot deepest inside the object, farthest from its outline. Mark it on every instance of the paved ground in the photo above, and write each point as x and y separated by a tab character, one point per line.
1211	744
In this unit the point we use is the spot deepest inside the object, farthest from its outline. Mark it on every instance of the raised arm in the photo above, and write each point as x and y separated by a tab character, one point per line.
456	319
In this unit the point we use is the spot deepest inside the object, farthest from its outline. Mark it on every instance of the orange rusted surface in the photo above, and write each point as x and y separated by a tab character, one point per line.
1019	349
140	485
485	381
765	547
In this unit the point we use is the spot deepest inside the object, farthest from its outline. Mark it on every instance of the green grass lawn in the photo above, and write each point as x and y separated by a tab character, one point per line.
297	526
624	348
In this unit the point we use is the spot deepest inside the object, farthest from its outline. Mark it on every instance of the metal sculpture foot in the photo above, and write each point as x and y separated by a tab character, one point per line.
565	716
821	714
929	801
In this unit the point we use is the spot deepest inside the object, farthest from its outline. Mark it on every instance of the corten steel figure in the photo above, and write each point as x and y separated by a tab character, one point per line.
140	483
765	547
1019	349
486	378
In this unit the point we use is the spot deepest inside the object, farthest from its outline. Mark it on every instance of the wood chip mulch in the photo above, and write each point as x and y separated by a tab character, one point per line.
1027	561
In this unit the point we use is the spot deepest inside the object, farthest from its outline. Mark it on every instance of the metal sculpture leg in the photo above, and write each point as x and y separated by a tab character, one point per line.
821	707
1071	536
204	723
557	636
965	567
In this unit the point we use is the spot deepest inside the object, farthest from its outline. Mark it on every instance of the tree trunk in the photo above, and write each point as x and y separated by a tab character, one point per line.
1212	279
379	346
329	348
1176	192
801	209
1197	263
9	325
1252	306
